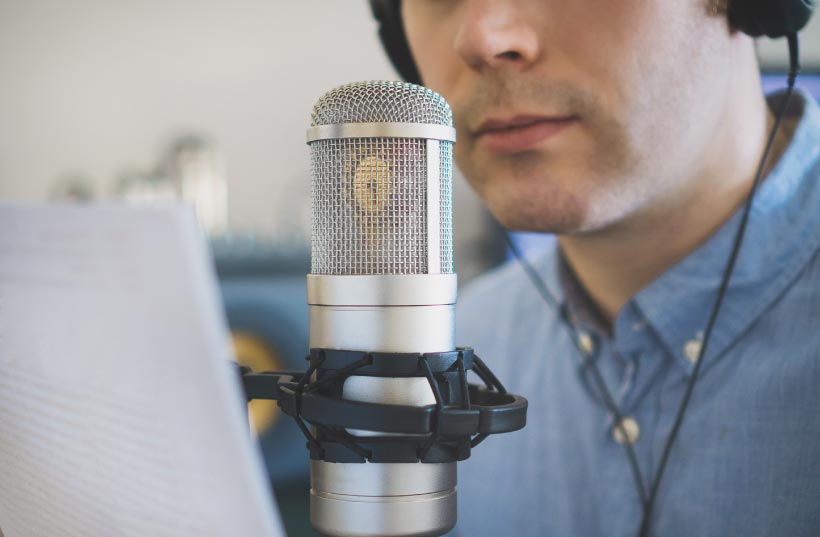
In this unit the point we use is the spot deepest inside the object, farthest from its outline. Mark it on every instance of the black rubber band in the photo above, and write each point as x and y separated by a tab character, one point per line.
391	364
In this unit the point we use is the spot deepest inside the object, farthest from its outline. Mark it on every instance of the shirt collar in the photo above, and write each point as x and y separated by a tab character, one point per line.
582	310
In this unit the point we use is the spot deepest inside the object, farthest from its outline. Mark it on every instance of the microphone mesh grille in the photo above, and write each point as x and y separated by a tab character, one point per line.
446	212
381	102
370	194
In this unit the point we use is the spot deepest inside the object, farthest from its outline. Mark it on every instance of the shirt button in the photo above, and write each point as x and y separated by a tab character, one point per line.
630	427
585	343
691	350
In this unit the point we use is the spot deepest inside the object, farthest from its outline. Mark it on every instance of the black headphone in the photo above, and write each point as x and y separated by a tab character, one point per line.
772	18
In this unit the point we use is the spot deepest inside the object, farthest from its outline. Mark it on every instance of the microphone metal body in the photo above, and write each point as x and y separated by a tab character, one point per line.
382	280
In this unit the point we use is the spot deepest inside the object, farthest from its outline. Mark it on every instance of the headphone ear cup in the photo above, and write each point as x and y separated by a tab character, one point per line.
393	38
772	18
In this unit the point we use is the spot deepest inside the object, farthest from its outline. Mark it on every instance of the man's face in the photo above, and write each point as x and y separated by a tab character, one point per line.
574	115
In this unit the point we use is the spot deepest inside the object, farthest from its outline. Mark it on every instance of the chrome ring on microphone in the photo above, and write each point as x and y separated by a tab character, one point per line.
427	131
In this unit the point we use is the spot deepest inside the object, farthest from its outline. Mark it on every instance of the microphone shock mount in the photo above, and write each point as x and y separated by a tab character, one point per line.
463	415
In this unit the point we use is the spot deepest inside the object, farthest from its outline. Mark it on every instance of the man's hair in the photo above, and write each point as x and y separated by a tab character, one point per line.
717	7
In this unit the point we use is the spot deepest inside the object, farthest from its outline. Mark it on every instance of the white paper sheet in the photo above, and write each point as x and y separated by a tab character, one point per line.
120	414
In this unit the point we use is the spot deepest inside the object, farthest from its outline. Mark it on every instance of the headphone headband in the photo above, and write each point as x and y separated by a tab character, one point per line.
393	38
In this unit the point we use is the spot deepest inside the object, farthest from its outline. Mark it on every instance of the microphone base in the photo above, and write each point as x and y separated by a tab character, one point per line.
382	499
419	515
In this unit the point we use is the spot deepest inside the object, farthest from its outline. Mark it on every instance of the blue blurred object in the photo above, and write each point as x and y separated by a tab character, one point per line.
530	244
807	81
273	311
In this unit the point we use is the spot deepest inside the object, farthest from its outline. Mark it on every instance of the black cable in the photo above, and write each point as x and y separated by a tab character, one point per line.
794	69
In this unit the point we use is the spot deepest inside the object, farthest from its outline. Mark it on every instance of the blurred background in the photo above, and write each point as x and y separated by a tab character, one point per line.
208	101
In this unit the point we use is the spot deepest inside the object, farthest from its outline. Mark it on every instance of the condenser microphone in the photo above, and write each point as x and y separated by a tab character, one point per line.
382	283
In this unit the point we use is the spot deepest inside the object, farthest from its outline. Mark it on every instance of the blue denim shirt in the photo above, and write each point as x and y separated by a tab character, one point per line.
747	459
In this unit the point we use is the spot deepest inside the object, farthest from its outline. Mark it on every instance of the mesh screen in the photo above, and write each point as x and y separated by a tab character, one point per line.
370	194
369	206
447	247
377	101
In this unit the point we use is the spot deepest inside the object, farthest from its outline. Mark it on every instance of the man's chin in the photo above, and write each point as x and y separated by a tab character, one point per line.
538	213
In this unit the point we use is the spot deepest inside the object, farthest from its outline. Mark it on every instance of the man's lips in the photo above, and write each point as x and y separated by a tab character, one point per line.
520	132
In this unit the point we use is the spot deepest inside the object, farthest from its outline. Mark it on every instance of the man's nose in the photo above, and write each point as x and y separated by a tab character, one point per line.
495	34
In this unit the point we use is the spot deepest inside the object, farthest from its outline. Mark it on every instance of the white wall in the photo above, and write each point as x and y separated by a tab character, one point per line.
98	87
774	53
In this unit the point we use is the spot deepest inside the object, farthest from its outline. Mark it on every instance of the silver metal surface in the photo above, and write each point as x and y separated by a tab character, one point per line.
393	499
382	289
433	208
393	479
388	390
383	329
427	515
381	130
445	233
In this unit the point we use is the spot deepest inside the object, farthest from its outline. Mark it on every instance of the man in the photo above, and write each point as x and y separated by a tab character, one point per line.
632	130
